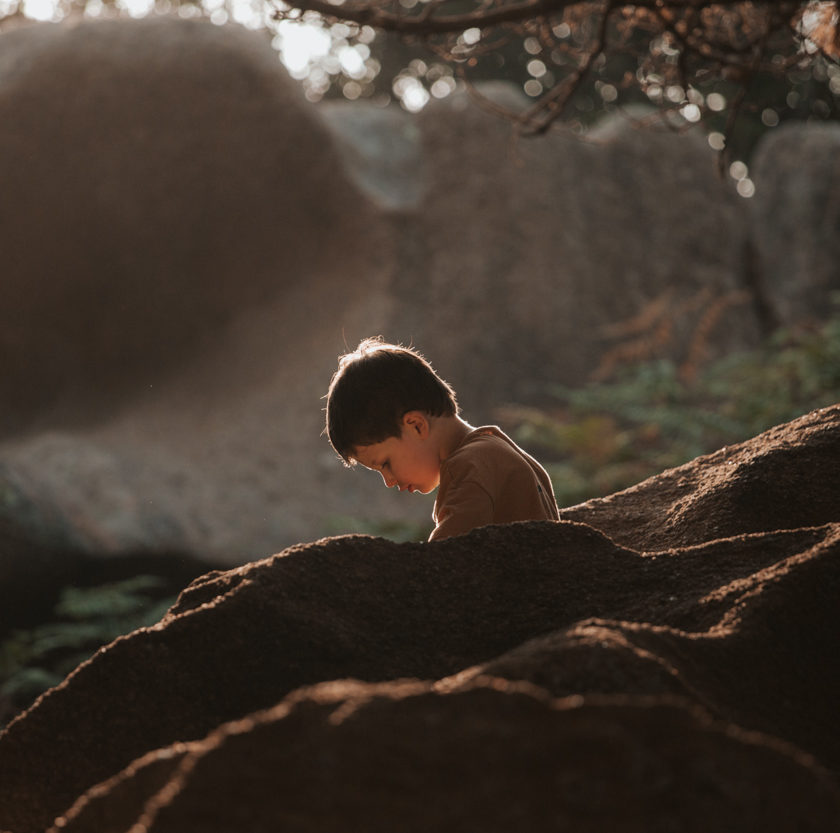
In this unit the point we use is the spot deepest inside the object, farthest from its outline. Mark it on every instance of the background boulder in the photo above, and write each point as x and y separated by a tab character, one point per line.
526	262
795	219
164	354
158	177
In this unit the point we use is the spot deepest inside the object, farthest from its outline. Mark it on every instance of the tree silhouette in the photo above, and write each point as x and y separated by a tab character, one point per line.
695	60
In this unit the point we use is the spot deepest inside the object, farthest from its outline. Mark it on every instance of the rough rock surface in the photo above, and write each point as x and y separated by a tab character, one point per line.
795	219
494	757
787	478
702	679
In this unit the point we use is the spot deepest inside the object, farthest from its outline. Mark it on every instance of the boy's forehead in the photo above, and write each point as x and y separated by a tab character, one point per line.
371	456
366	454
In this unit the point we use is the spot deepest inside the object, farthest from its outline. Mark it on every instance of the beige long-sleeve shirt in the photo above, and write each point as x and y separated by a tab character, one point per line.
489	479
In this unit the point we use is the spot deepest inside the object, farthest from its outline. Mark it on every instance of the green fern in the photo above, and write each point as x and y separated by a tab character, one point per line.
606	436
84	619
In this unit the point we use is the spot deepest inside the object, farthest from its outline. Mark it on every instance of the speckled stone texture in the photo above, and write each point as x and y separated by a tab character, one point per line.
697	682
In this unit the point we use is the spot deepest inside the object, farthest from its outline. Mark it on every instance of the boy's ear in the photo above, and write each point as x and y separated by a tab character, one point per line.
417	422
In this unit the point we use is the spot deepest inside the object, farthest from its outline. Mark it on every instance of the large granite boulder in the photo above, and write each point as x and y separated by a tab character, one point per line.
795	219
157	177
533	261
491	627
185	255
524	262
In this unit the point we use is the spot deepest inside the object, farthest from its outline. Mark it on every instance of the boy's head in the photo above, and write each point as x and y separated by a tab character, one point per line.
374	388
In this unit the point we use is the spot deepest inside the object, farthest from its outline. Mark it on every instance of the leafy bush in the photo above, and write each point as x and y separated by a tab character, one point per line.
84	619
607	436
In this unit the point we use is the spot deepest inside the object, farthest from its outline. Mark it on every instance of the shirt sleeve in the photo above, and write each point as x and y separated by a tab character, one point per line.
467	506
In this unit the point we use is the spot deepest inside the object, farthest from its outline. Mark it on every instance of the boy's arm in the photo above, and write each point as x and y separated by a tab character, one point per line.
467	506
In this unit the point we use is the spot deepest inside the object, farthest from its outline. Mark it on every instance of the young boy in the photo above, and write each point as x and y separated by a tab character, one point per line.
388	410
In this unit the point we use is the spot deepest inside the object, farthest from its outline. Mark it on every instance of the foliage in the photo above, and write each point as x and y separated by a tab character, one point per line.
84	619
610	435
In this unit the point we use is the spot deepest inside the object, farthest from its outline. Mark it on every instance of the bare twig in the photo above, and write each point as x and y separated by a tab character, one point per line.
546	110
428	23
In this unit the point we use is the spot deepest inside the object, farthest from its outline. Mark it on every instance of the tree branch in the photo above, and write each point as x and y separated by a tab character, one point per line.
429	23
551	105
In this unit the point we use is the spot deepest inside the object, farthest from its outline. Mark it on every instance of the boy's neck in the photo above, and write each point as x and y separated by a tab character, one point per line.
449	432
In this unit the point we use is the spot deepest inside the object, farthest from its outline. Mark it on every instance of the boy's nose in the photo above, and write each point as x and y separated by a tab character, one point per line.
389	481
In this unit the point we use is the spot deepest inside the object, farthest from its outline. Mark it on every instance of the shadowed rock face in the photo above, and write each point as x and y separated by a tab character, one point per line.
743	626
493	757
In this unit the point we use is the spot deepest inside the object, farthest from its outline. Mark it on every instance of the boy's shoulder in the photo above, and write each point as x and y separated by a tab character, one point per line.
485	444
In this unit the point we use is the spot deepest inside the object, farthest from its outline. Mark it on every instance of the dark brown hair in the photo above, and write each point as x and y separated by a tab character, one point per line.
374	387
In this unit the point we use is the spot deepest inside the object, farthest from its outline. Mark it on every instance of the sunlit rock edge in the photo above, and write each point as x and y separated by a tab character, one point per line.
738	623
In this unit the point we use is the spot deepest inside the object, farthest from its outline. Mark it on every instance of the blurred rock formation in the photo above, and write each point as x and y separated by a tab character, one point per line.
186	254
795	219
